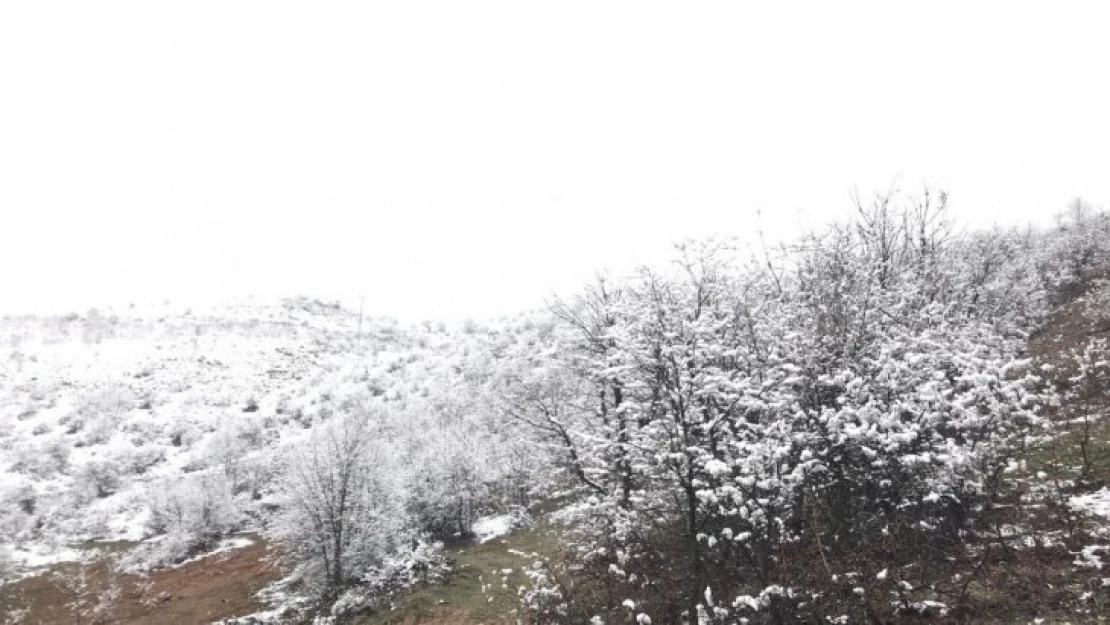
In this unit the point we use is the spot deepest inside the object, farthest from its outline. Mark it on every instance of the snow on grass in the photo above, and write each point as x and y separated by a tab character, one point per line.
1096	503
490	527
41	555
225	545
128	526
1091	556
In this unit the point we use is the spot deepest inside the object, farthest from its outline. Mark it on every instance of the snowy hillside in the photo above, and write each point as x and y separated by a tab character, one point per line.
104	412
909	406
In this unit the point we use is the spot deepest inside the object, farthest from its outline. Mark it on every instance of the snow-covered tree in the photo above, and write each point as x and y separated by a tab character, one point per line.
341	513
727	421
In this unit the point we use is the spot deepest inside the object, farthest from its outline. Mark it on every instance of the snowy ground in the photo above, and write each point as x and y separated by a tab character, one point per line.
40	555
225	545
1096	503
488	528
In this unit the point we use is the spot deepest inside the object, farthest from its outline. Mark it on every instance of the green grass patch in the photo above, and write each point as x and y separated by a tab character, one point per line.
479	591
1079	453
104	547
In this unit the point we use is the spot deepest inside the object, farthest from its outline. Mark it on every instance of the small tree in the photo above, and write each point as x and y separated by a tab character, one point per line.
341	513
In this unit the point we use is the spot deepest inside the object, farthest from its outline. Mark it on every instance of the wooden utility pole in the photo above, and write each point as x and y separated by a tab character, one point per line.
361	302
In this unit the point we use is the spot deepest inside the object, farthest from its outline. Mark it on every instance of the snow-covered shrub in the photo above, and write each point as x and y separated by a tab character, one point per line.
253	476
100	414
98	478
1091	380
1076	258
187	516
1088	394
201	505
229	447
28	411
421	565
43	460
1096	306
19	503
447	483
138	459
545	598
97	327
341	512
184	433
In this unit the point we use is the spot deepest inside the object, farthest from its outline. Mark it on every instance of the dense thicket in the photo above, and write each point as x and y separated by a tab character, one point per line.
808	436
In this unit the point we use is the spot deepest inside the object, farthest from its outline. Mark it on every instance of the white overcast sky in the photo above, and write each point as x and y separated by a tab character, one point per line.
468	157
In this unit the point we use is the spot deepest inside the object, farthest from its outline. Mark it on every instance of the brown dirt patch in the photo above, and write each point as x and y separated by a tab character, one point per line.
219	586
